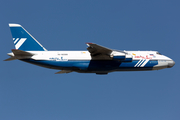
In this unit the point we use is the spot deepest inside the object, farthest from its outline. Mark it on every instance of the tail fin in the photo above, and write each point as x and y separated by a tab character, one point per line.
24	40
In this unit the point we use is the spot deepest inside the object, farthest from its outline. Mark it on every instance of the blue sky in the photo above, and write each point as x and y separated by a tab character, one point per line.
29	92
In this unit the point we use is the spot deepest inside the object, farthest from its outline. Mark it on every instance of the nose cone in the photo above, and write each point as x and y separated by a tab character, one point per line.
171	64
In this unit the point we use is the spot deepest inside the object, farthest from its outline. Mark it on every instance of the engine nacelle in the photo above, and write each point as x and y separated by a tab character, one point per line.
121	56
128	58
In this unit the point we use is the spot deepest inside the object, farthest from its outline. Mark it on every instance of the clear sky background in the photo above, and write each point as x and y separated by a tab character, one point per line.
29	92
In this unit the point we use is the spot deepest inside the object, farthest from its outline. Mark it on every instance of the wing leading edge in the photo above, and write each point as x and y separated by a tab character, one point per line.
99	52
102	53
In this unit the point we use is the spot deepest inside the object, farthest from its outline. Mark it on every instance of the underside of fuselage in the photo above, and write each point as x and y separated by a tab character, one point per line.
93	66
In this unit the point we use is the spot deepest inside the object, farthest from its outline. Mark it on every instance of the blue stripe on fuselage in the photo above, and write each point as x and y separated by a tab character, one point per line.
97	65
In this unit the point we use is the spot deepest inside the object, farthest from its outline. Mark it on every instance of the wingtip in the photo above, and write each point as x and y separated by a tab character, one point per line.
14	49
89	43
14	25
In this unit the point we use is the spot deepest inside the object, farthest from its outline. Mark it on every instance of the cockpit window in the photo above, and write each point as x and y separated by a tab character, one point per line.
158	53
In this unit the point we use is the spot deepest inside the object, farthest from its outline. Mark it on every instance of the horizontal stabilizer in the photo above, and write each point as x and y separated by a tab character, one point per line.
21	53
63	71
11	58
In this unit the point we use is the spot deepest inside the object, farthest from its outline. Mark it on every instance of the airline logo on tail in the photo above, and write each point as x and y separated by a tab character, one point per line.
18	42
23	40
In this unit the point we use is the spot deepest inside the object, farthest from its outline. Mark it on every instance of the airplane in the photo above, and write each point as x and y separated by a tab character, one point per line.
98	59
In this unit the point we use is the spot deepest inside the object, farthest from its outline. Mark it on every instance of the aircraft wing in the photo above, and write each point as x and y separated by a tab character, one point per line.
99	52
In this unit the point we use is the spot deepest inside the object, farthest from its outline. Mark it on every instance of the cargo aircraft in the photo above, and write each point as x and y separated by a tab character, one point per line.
98	59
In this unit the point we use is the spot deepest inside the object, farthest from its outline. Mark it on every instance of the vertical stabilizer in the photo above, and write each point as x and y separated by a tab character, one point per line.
23	40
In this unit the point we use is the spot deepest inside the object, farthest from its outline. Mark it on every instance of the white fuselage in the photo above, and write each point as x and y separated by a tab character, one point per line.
140	59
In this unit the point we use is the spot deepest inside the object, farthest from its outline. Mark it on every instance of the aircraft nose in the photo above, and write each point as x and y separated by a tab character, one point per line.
171	64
